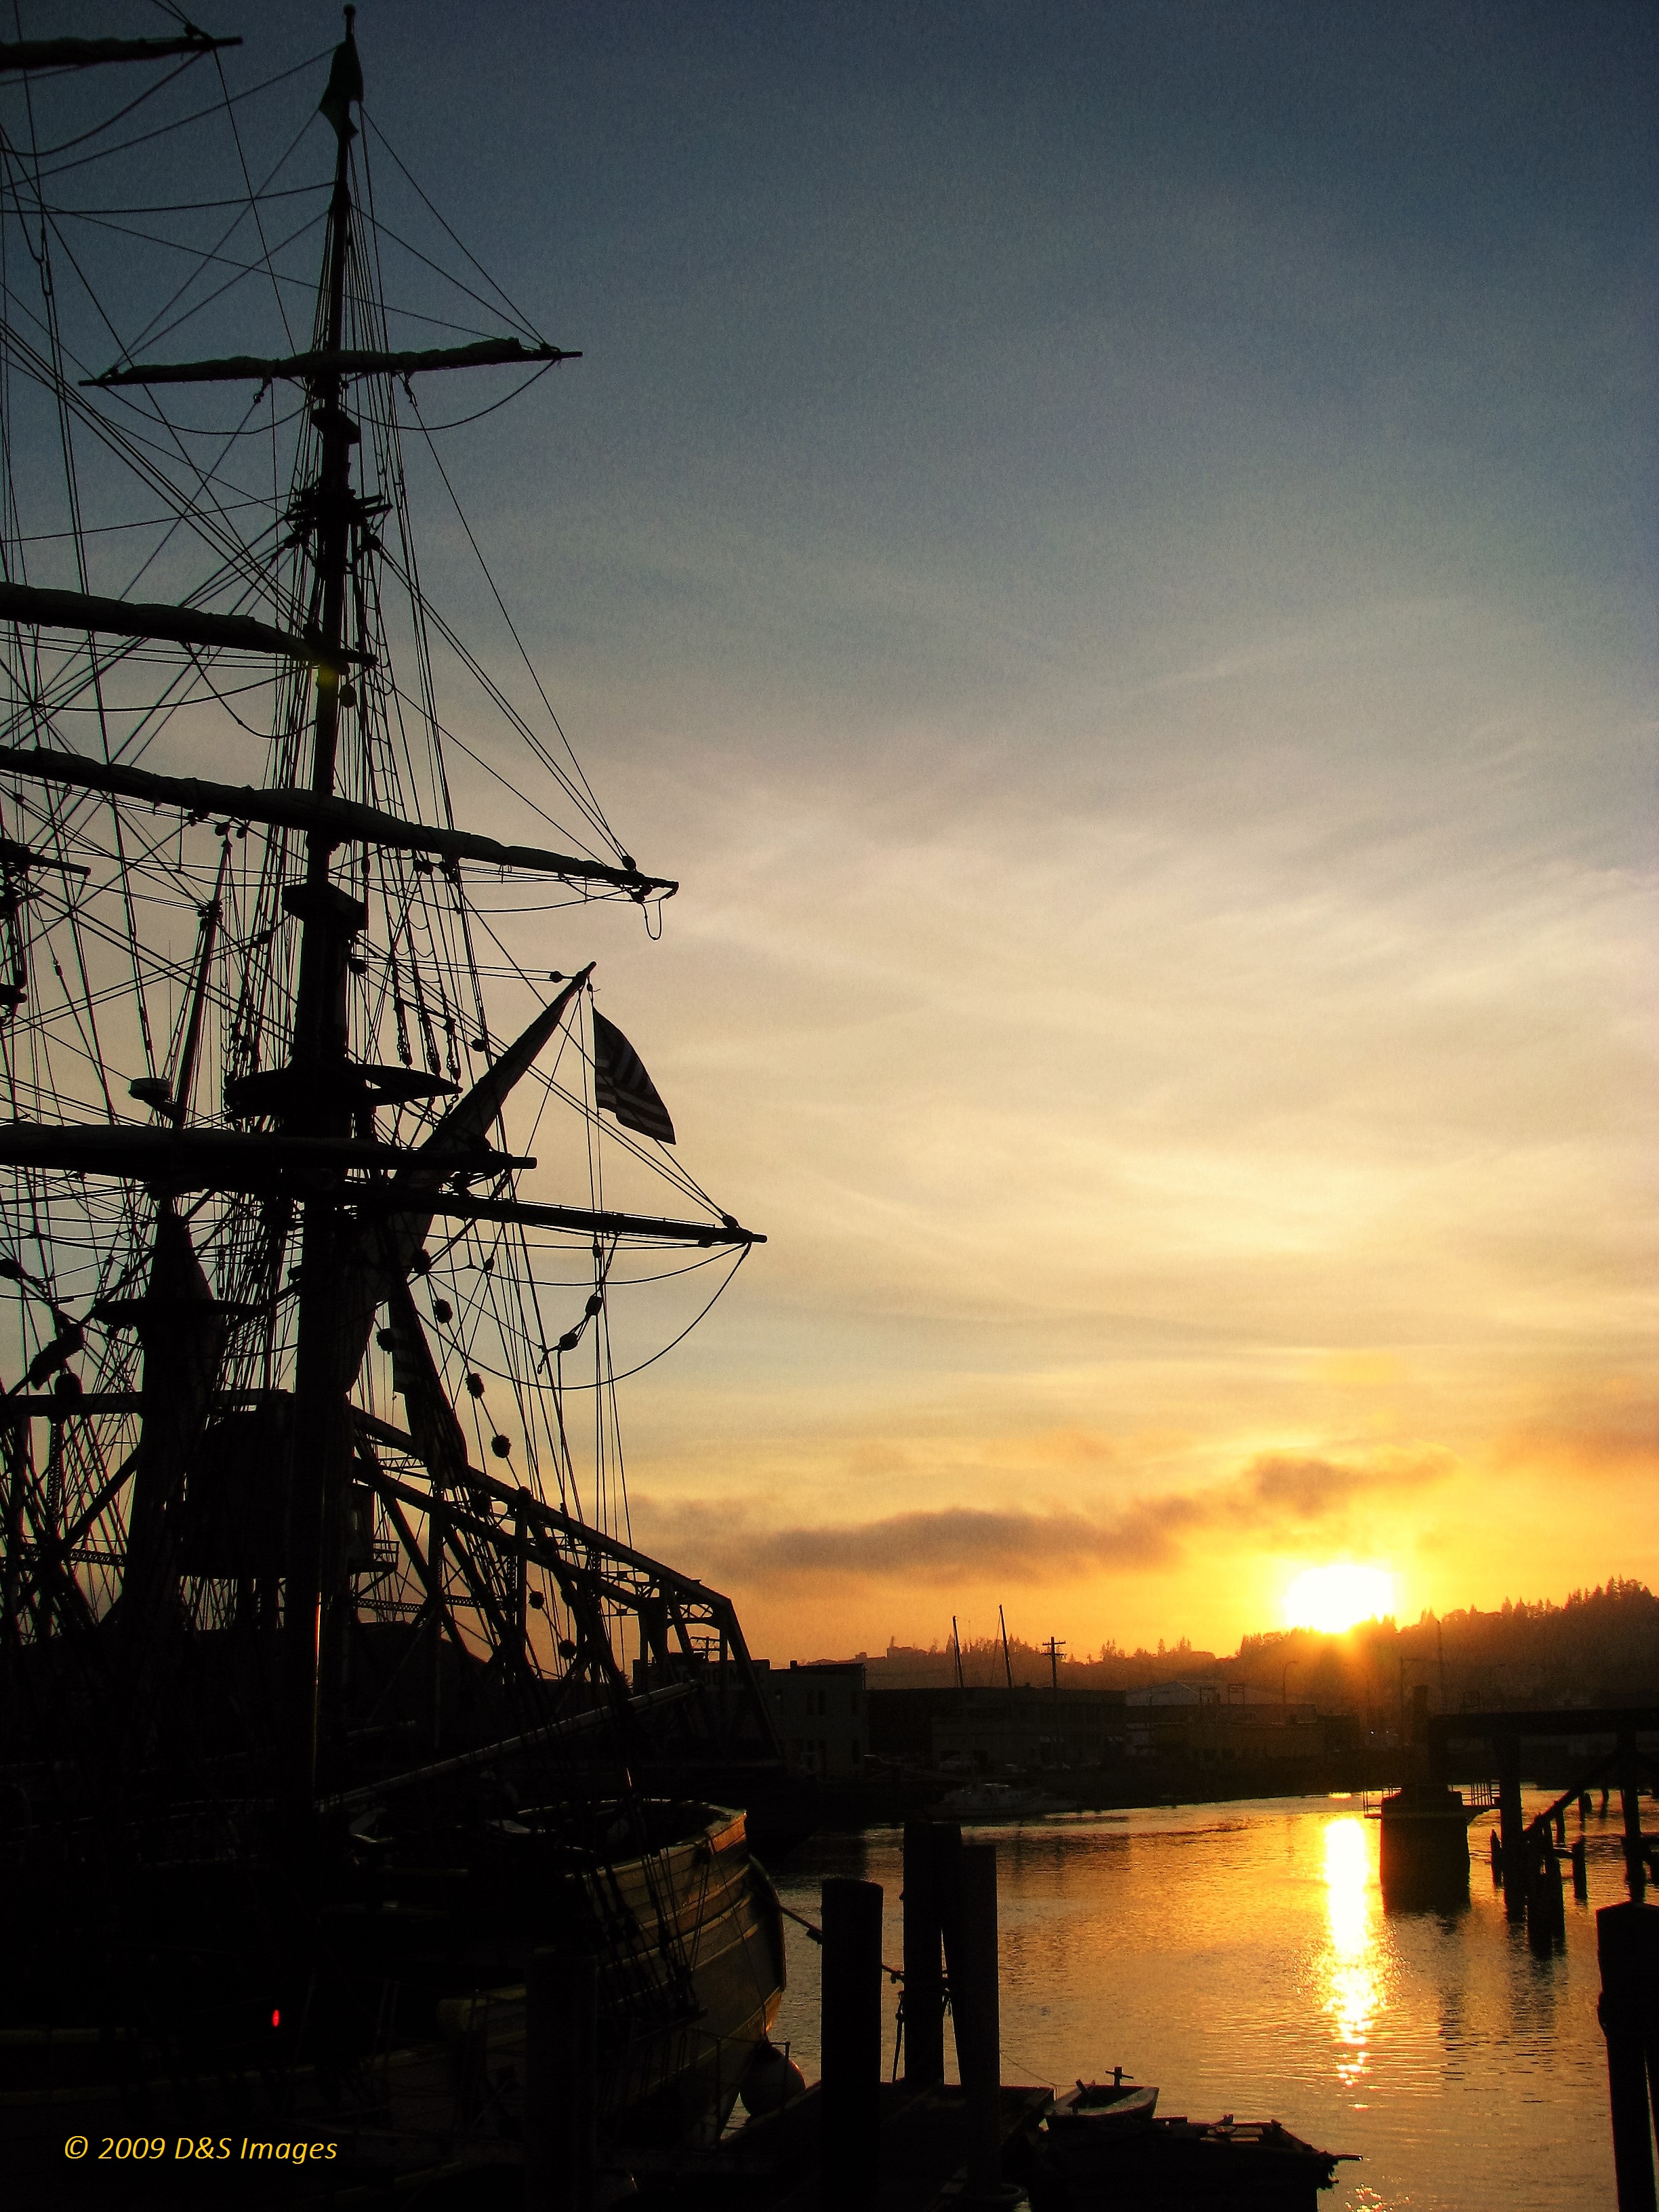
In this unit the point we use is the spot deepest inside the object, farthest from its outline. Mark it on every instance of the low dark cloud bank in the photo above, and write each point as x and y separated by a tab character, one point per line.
1278	1495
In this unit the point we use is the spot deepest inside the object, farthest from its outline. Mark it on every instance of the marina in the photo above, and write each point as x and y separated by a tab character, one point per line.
1241	1959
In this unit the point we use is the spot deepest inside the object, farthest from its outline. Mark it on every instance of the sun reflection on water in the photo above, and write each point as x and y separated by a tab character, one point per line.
1353	1993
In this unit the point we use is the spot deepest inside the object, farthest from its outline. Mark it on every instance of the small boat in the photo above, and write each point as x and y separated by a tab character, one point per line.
1000	1800
1102	2145
1076	2117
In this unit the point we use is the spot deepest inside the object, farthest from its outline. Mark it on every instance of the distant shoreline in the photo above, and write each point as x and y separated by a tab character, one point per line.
888	1801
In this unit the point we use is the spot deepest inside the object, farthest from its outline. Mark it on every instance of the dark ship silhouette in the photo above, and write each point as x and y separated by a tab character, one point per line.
332	1689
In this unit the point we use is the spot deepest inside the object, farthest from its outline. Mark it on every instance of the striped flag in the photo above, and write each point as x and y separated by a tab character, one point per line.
621	1084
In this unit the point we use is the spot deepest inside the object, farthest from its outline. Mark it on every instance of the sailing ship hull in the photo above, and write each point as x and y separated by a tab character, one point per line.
446	2081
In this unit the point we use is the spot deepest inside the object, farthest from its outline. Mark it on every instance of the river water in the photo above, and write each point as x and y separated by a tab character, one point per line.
1240	1957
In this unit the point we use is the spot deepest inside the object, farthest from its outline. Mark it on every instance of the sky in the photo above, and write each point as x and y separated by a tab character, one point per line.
1110	548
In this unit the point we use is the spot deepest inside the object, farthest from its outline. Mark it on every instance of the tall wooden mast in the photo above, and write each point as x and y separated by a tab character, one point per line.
319	1433
363	1207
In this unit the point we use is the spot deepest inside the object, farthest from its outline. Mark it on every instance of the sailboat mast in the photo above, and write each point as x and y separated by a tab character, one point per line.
320	1436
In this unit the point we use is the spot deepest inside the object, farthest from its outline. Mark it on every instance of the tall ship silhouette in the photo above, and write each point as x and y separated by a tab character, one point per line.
332	1211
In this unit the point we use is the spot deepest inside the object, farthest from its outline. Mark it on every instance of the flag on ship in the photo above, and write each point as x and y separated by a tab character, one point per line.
621	1084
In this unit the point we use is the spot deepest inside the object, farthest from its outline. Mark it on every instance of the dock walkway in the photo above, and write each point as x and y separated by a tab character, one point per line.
774	2165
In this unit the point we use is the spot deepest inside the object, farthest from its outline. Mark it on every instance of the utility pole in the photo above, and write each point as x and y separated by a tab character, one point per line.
1410	1659
1054	1650
1007	1663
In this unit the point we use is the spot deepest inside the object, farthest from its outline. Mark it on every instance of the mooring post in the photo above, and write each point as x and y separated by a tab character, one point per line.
1545	1914
923	1980
1627	1947
561	2082
1560	1828
1495	1853
947	1896
1630	1798
977	2008
1512	1827
1583	1808
852	2040
1580	1871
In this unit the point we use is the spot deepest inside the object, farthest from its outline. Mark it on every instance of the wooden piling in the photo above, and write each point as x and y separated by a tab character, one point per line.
1557	1899
1547	1921
947	1888
1583	1808
852	2040
1580	1872
1628	1948
561	2082
977	2008
1560	1828
1630	1798
1512	1827
1495	1853
924	1980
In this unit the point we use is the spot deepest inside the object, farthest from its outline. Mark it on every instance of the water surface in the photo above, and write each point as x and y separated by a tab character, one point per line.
1240	1957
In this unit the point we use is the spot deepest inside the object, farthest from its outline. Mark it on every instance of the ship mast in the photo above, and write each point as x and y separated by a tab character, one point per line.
363	1207
320	1435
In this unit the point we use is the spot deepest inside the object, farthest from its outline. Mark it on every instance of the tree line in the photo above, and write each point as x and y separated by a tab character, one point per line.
1599	1646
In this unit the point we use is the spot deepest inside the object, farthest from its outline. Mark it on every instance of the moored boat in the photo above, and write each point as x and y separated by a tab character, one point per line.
1000	1800
1102	2146
445	2074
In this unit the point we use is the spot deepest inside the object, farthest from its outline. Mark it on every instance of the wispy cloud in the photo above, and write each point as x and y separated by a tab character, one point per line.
1139	644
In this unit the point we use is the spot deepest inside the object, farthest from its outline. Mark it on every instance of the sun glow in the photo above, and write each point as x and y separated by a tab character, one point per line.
1333	1598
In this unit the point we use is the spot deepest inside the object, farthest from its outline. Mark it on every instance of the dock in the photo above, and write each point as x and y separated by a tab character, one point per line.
776	2164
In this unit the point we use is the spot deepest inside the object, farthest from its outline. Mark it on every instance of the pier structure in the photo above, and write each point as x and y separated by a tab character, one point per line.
911	2143
1528	1853
1527	1856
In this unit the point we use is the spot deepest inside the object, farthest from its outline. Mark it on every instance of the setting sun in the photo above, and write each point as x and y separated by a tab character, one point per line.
1333	1598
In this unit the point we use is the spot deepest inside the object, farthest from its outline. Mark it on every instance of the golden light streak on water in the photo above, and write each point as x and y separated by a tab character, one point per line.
1353	1982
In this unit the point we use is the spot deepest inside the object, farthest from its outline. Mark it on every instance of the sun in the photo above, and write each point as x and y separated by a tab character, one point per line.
1333	1598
